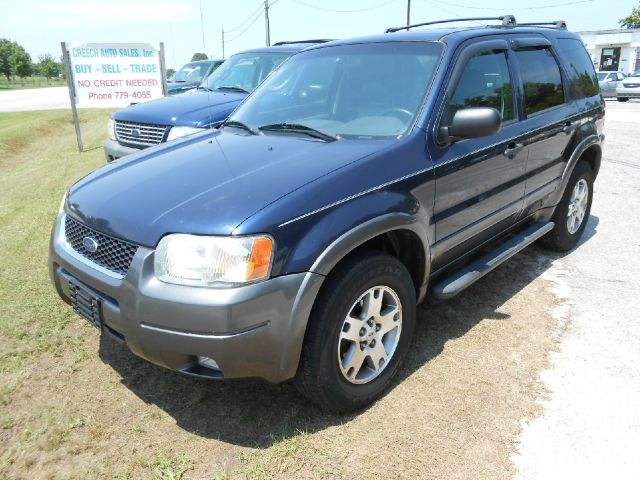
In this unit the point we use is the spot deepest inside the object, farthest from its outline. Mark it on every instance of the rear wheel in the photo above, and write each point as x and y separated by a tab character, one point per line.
359	330
623	99
572	213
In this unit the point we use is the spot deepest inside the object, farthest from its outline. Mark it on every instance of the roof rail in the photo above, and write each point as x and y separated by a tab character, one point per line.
559	24
293	42
507	21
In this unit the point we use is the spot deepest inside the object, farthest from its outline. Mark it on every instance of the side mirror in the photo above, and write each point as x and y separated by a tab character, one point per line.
472	122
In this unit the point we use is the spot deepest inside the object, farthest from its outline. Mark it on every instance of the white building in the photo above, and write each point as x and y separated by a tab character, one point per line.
614	49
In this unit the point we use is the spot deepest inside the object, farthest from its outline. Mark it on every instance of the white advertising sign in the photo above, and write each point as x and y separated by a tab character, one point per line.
114	74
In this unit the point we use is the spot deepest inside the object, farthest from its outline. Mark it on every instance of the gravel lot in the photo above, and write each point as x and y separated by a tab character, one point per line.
591	425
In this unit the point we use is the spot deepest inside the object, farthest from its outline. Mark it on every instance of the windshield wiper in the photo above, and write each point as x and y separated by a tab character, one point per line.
237	124
202	87
231	88
299	128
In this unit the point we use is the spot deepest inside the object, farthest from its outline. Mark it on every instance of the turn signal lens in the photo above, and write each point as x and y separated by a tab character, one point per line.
213	261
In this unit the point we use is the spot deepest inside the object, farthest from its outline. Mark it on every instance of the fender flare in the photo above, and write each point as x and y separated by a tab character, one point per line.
582	147
364	232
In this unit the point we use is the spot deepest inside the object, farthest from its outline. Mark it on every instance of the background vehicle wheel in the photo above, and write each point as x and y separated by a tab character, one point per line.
359	330
572	213
622	99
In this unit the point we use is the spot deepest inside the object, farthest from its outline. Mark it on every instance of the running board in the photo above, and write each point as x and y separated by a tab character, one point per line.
456	283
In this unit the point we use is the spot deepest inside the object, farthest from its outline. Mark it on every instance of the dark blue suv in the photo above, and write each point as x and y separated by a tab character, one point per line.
147	124
364	175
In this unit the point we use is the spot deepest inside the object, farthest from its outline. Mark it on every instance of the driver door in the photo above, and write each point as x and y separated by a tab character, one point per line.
480	183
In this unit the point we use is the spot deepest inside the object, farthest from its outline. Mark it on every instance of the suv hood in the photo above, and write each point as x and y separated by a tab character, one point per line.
208	183
197	109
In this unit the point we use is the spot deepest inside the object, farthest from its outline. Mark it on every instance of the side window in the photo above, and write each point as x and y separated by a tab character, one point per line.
485	82
583	81
541	79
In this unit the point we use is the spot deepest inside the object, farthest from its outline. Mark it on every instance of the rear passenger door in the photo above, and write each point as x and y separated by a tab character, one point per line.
480	181
548	116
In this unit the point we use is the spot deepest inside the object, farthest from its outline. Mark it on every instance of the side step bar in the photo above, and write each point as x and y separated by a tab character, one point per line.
453	285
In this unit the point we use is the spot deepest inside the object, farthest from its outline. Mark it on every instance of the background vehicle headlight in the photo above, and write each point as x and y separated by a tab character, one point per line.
111	127
177	132
212	261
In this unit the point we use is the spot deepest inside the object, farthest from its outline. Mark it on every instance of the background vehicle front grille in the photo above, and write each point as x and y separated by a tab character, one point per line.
139	133
112	253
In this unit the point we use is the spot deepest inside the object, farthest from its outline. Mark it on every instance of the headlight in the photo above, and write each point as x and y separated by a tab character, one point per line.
212	261
111	127
62	202
177	132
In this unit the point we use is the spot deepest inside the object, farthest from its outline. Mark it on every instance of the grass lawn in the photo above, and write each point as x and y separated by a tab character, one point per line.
31	82
75	405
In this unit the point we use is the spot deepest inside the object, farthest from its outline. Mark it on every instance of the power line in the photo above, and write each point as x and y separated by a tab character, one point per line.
246	20
344	11
253	20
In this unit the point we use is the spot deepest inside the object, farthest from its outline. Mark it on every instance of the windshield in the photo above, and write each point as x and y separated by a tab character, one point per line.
349	91
244	71
602	76
191	72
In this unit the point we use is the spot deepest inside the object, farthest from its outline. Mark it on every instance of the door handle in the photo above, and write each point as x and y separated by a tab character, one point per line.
513	149
569	127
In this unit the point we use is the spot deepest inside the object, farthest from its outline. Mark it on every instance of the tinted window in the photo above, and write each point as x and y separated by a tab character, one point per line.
485	82
583	81
541	79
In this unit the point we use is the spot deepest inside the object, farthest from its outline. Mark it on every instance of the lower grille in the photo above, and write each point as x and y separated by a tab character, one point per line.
85	305
110	252
139	133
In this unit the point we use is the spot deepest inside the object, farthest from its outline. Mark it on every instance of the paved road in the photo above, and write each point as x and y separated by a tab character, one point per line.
591	425
34	99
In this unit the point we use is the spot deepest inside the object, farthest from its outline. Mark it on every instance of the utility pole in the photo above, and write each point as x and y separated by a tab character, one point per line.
223	43
408	12
266	21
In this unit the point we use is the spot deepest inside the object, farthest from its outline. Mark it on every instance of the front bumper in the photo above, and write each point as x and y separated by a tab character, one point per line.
250	331
633	92
114	150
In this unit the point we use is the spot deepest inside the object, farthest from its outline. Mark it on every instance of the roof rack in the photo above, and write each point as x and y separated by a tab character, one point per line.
559	24
507	21
294	42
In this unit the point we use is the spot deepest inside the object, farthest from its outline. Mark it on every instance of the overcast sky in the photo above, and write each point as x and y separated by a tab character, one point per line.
40	25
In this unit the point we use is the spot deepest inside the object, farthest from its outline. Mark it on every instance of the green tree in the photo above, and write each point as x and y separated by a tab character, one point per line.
199	56
48	66
170	72
21	62
633	19
6	51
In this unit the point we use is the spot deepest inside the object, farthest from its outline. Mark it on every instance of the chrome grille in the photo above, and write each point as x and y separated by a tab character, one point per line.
631	85
112	253
139	133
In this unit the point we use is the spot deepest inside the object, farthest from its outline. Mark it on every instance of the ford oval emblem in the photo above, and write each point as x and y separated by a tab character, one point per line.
90	244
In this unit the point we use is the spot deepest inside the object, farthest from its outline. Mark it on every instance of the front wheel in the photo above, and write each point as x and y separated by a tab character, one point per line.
623	99
359	330
572	213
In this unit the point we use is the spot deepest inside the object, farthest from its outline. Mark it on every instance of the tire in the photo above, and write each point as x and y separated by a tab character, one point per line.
623	99
566	235
325	376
